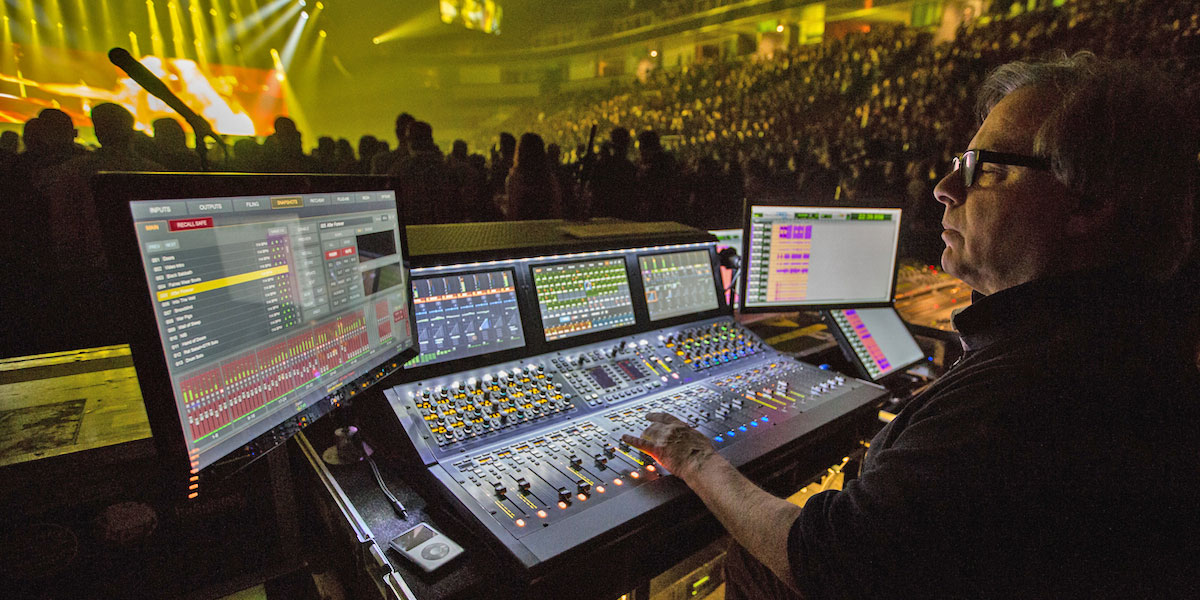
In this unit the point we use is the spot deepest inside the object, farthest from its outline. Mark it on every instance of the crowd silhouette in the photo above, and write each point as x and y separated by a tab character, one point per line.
870	119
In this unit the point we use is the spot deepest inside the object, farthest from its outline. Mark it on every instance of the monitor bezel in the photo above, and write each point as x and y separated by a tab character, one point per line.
113	192
743	277
845	344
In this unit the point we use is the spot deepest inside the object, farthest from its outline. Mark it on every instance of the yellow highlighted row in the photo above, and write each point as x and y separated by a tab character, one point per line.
217	284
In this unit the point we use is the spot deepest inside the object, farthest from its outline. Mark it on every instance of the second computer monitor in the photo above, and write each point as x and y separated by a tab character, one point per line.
797	257
878	342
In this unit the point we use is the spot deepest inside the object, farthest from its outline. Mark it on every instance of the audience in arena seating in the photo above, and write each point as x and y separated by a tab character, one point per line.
532	187
869	119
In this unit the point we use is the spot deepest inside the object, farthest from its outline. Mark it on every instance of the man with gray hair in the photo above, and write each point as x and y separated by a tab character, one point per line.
1057	458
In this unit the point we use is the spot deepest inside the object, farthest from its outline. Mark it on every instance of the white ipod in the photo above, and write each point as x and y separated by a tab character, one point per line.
425	547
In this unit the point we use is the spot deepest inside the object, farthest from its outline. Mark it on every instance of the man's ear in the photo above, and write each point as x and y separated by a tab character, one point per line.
1091	217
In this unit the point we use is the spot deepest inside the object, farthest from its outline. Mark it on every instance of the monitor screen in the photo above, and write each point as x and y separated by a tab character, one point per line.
800	257
679	283
880	341
582	297
465	315
267	304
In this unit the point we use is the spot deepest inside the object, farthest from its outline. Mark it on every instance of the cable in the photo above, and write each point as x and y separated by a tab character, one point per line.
395	502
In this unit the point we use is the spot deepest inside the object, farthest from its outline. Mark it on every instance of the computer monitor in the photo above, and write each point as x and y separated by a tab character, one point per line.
581	297
466	314
257	303
678	283
729	238
797	258
876	340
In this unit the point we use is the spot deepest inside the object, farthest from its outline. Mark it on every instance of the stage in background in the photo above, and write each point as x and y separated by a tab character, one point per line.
235	100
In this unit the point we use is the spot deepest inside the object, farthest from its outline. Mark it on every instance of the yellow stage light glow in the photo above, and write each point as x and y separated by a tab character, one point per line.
421	25
156	39
199	34
267	34
81	8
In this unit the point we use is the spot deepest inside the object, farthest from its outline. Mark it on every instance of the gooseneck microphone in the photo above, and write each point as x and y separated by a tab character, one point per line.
152	84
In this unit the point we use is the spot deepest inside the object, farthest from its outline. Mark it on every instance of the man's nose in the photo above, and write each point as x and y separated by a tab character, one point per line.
950	190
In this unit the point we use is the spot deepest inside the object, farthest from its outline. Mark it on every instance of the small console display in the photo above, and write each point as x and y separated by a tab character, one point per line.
583	297
880	342
679	283
464	315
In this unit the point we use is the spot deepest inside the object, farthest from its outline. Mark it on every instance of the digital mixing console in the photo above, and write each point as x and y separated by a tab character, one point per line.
532	448
531	369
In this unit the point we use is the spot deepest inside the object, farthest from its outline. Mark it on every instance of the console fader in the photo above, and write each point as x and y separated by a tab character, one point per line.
532	448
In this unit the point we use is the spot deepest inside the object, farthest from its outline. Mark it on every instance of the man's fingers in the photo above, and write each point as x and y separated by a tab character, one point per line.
636	442
664	418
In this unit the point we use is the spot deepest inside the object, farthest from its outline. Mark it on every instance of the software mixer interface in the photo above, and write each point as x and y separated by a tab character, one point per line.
803	256
678	283
583	297
265	302
459	316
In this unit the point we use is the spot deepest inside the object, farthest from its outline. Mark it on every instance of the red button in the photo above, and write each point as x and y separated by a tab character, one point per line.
189	224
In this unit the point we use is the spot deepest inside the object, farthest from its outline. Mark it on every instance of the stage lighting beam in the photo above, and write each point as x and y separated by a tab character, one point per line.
6	51
176	29
54	15
266	35
199	35
289	47
86	42
157	44
221	34
257	18
426	23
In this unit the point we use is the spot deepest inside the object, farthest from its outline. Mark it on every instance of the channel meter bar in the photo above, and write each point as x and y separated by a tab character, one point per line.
237	388
805	257
583	297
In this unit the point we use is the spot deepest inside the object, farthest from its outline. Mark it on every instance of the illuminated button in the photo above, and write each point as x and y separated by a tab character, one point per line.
650	468
618	482
634	474
718	439
599	489
542	514
764	419
754	423
520	522
582	497
742	428
731	433
562	505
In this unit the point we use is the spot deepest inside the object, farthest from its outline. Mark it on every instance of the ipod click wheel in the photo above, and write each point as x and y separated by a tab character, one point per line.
425	547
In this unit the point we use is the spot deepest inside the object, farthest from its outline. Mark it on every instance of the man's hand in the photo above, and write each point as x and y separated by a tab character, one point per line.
681	449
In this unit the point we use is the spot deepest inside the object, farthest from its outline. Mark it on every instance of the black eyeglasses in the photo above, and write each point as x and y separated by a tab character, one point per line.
966	162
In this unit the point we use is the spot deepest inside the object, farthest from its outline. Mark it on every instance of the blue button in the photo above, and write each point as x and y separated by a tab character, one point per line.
718	439
730	433
764	418
742	428
754	423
